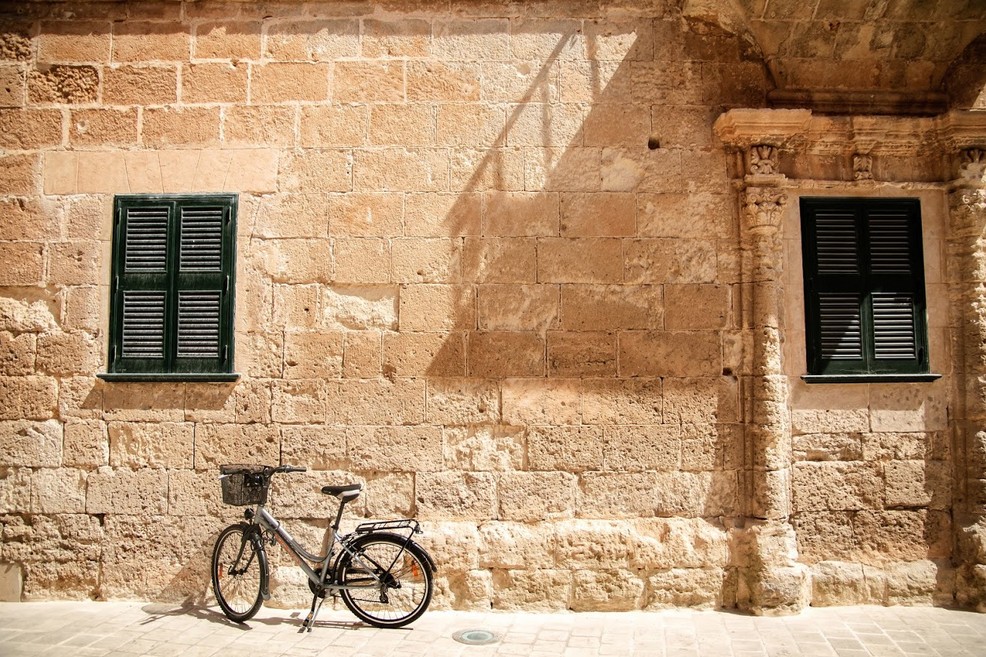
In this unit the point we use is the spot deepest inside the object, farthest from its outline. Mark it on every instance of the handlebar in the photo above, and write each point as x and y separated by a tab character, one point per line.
266	470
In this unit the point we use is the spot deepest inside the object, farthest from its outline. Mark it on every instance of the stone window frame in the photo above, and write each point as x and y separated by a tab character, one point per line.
205	288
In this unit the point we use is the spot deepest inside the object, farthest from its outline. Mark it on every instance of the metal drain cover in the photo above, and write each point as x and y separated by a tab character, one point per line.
476	637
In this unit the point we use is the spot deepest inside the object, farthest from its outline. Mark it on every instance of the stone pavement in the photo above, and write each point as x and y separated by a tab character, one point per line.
132	628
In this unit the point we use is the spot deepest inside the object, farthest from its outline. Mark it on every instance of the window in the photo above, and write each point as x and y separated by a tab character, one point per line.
171	295
864	287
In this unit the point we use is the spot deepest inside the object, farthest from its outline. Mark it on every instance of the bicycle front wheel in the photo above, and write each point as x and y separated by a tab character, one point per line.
391	580
239	572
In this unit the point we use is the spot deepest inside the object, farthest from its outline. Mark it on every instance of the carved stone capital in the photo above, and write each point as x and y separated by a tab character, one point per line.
967	211
761	160
972	167
862	167
763	208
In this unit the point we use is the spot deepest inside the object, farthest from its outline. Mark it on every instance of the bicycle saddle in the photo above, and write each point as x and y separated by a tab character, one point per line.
345	492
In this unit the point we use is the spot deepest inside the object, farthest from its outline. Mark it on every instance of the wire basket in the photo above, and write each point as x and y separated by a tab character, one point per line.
244	488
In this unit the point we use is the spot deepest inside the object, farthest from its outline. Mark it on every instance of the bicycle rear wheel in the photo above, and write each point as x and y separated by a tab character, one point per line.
394	580
239	572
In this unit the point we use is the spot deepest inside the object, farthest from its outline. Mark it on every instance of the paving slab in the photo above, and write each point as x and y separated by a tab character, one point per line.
126	629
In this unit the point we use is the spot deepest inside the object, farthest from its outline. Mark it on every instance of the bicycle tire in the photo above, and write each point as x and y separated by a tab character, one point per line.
239	576
405	593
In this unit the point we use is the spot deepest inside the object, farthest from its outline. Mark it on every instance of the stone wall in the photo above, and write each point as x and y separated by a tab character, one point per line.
490	262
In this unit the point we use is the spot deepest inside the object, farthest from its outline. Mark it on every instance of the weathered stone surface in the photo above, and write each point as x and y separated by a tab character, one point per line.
837	486
456	495
573	449
127	491
481	448
32	444
217	444
514	545
540	402
841	583
534	496
395	449
686	587
138	445
606	590
463	401
534	590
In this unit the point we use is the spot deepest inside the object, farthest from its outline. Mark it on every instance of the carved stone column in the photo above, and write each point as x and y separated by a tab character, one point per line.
967	253
774	581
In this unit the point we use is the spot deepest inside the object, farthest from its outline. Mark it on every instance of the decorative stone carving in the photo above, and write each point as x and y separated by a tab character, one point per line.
763	208
862	167
762	160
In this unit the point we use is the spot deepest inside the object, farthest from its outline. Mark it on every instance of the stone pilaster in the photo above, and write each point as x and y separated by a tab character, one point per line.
774	581
967	253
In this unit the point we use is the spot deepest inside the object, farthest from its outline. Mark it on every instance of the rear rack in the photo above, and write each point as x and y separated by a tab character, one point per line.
403	523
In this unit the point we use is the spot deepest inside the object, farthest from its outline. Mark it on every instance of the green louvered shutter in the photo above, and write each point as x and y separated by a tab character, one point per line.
864	286
172	294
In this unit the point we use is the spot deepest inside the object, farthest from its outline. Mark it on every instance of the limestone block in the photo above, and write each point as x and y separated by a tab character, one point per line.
580	260
15	495
214	83
17	353
333	126
518	307
218	444
697	494
913	583
443	80
886	537
701	401
426	260
60	490
840	583
259	125
828	447
20	175
368	82
484	448
397	169
902	446
127	491
361	358
298	495
617	495
532	590
146	41
361	261
577	353
69	353
487	170
534	496
452	495
390	495
670	354
63	83
28	397
825	536
622	402
365	215
279	82
85	444
532	401
567	448
593	544
781	590
80	397
13	92
436	307
28	219
916	483
826	409
185	126
299	401
314	170
377	401
76	263
468	591
665	260
315	446
499	260
72	580
395	449
514	545
297	306
445	215
29	129
312	355
647	447
453	545
140	85
463	401
611	307
837	486
686	587
606	590
696	306
665	543
151	445
354	308
402	124
618	123
513	82
85	309
497	354
243	402
471	39
320	40
227	40
417	354
11	582
23	263
195	493
908	408
143	402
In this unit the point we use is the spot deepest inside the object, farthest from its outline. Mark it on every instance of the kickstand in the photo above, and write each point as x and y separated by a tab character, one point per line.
309	621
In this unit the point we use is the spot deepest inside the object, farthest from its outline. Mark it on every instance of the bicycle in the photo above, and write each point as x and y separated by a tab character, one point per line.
383	576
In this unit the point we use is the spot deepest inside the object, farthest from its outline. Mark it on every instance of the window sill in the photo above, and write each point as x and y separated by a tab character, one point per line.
869	378
210	377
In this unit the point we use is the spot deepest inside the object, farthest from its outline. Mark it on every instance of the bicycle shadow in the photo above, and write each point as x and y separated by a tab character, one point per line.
159	611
